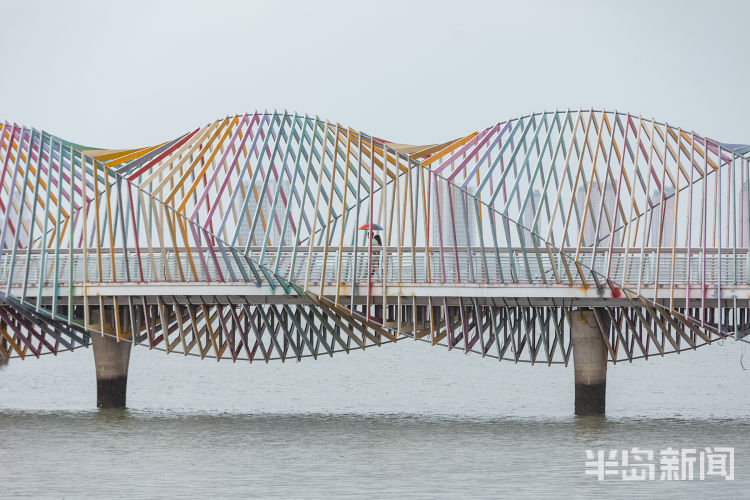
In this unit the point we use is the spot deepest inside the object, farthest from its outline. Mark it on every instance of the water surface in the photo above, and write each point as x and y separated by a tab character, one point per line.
398	421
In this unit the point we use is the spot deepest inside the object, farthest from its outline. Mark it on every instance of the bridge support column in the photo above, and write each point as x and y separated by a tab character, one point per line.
589	362
111	359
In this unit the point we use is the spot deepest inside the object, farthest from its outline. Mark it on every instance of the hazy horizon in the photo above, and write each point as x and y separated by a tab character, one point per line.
136	74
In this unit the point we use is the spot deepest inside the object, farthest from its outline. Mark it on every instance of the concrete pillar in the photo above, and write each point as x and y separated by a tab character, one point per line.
111	359
589	361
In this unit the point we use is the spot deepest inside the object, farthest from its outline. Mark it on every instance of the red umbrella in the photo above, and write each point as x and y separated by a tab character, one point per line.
370	227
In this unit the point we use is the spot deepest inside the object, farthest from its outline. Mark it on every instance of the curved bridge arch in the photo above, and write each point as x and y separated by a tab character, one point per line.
240	239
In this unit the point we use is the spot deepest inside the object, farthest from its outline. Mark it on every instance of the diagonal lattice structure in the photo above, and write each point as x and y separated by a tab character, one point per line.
241	239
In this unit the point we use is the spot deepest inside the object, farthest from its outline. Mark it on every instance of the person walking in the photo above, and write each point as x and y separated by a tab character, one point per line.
377	244
374	245
373	238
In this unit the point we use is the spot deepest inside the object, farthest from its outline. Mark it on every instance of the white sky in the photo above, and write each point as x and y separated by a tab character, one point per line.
125	74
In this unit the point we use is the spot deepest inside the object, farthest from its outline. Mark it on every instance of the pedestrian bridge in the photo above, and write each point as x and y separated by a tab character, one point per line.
279	236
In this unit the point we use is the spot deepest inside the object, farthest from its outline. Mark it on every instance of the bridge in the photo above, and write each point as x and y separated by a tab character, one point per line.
596	235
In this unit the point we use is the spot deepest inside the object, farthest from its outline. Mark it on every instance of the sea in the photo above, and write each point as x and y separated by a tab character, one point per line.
404	420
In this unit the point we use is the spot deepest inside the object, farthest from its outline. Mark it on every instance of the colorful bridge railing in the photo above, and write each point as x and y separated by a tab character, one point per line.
241	239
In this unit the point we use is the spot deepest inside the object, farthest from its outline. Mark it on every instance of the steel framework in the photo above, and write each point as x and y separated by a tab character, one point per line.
241	239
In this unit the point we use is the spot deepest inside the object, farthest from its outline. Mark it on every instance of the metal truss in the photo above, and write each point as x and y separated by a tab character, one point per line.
242	239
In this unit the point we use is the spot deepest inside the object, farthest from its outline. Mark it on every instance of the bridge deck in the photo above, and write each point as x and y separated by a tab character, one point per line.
540	278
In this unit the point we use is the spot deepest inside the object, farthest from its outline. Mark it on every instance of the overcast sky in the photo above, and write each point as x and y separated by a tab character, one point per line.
126	74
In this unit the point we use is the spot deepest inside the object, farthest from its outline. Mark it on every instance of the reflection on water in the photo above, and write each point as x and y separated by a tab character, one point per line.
405	421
